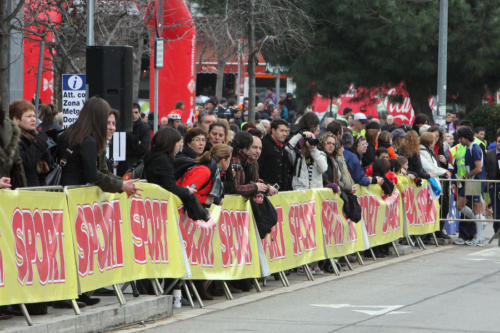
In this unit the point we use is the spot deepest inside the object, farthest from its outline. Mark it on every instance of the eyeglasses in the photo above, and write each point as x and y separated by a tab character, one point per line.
363	144
330	143
199	140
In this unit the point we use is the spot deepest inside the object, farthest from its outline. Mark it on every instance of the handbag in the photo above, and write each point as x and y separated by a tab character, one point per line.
53	178
265	215
136	172
352	209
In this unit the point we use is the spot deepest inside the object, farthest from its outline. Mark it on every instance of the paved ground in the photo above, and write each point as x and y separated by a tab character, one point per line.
445	289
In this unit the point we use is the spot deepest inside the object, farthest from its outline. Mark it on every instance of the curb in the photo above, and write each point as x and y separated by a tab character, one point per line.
100	318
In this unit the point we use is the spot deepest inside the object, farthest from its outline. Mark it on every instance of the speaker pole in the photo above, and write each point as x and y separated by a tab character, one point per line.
90	22
159	48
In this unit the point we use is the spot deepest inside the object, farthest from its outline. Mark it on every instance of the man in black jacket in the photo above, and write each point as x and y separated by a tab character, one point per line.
492	164
274	164
137	141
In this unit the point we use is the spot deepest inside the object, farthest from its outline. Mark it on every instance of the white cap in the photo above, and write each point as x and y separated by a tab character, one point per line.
359	116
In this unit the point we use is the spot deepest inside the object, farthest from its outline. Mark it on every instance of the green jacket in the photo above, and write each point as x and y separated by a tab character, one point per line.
105	179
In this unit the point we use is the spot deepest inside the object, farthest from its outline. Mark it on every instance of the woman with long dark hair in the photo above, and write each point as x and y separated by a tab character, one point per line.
82	144
337	172
83	141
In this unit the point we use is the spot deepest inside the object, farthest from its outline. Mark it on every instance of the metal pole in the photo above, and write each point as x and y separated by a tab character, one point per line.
39	76
277	83
442	61
90	22
155	126
238	82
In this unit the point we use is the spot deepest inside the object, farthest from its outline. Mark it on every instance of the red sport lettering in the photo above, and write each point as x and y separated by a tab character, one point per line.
410	207
274	243
198	240
369	211
333	227
392	218
234	235
148	222
38	237
95	222
301	218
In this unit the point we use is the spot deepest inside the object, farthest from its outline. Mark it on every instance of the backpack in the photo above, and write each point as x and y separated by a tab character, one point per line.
187	165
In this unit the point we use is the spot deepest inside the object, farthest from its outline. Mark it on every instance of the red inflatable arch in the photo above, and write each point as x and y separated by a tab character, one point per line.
177	79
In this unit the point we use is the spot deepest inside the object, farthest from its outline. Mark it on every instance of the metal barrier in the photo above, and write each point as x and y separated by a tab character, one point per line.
118	291
488	192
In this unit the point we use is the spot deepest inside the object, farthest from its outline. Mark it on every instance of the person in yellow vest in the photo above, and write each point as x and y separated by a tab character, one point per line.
479	133
359	124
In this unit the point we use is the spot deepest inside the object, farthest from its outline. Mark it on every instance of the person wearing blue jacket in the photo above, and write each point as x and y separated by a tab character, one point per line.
353	161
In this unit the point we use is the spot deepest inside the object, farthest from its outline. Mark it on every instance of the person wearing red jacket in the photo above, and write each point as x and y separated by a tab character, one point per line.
205	177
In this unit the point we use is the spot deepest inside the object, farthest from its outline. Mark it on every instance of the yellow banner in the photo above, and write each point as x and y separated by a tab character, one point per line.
119	239
382	215
422	213
36	251
297	238
341	235
225	247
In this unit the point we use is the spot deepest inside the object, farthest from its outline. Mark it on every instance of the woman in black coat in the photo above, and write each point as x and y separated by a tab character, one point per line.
159	169
82	144
33	146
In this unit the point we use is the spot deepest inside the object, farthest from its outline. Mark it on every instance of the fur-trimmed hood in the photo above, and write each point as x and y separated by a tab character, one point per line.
11	164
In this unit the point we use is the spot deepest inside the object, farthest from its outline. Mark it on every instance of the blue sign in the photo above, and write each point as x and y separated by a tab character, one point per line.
73	82
73	97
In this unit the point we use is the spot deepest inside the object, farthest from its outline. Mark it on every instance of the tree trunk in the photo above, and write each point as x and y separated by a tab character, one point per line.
220	78
251	65
4	63
137	68
419	99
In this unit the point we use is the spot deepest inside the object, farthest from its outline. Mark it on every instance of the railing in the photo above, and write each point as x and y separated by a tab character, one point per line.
488	192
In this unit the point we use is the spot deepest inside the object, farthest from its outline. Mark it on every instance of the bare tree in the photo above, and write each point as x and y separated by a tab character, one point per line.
116	23
221	30
9	10
271	25
277	26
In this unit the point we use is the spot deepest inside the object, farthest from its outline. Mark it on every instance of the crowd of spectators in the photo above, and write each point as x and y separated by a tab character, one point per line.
223	153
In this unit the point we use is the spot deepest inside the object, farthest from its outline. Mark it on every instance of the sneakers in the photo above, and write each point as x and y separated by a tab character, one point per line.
317	271
459	241
474	242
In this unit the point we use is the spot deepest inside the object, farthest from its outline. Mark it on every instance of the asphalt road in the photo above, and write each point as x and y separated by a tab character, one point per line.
455	289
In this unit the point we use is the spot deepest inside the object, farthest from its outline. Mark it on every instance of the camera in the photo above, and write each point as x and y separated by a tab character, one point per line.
312	142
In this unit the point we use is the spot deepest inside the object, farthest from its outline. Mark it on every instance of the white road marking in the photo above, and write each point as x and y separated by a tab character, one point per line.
371	310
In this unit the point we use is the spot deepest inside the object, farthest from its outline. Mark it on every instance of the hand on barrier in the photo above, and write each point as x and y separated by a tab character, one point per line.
5	182
272	190
131	188
380	180
261	187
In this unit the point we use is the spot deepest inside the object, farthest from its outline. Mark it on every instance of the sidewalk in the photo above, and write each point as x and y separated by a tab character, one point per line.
104	316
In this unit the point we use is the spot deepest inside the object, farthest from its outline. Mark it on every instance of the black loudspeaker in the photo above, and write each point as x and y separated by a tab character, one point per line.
109	75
